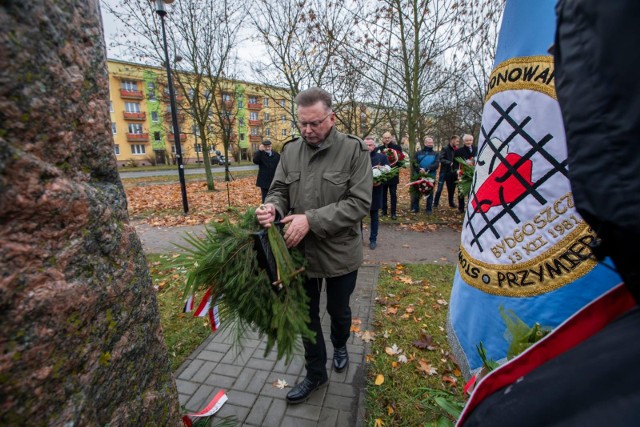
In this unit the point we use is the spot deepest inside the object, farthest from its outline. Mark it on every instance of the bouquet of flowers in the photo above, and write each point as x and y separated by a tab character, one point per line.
396	158
465	175
384	173
421	184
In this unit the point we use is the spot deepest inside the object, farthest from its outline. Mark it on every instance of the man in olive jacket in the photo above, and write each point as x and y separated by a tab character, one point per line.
322	190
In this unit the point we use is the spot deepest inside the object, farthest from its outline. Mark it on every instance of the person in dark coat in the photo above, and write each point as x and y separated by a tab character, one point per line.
424	161
467	152
267	160
377	159
391	186
448	171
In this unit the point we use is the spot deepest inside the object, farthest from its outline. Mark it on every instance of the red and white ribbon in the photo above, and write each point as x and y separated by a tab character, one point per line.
211	408
188	306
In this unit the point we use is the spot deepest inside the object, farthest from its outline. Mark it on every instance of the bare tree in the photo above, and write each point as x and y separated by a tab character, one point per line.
202	36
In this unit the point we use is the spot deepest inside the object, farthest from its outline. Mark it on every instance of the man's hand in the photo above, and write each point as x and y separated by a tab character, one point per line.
266	214
298	228
261	147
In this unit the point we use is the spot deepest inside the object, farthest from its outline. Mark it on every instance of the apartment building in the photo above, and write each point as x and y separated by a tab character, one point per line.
142	126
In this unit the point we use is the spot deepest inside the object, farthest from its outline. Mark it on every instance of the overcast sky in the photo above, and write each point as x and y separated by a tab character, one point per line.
247	51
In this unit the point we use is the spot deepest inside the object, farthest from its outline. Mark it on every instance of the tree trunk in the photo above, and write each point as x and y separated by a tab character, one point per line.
81	341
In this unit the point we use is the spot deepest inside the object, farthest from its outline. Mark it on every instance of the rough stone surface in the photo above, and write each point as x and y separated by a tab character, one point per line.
81	343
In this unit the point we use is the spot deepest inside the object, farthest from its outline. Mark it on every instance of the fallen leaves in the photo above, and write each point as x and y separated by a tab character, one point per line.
393	350
279	383
425	368
366	336
379	379
164	201
424	342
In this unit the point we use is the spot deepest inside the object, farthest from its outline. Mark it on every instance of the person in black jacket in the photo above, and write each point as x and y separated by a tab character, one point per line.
391	186
448	171
377	159
267	160
467	152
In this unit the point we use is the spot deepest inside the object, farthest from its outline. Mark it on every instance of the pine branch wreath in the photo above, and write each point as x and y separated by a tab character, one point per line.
225	262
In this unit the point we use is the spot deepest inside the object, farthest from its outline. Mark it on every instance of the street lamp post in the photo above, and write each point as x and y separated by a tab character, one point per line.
161	11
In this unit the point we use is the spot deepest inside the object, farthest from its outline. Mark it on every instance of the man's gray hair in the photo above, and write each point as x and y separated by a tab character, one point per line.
311	96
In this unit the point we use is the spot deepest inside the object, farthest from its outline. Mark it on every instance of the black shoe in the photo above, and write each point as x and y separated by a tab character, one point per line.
303	390
372	245
383	213
393	217
340	359
414	211
453	206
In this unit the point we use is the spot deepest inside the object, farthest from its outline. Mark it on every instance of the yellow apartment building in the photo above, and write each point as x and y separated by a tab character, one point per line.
141	117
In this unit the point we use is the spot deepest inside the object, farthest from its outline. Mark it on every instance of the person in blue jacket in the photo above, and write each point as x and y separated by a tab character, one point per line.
425	161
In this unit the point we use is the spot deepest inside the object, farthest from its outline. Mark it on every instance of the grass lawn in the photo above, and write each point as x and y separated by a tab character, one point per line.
410	366
182	332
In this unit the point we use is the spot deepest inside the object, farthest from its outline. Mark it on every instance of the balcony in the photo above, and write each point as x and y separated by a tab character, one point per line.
227	105
255	122
131	94
254	106
183	137
137	137
134	116
255	138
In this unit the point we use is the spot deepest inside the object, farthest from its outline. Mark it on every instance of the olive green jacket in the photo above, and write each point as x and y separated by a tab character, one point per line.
331	185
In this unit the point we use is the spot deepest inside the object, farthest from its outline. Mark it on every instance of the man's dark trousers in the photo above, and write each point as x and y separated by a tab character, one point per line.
392	190
450	179
339	290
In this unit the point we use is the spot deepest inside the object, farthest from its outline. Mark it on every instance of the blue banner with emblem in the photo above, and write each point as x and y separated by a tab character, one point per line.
523	246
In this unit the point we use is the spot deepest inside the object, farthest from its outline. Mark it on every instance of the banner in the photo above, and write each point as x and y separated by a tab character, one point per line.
523	244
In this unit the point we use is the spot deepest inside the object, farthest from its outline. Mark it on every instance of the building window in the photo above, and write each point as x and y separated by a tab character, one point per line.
253	100
283	119
284	132
157	136
116	149
132	107
265	102
114	129
266	117
255	131
197	148
242	137
152	96
267	132
195	130
241	121
111	106
135	128
137	149
253	115
240	104
151	86
173	149
129	85
281	102
154	116
226	97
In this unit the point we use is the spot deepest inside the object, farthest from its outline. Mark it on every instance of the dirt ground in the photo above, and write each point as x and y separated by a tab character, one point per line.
396	242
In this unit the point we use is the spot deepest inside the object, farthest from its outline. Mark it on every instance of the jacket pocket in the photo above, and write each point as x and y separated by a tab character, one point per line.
334	186
292	180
